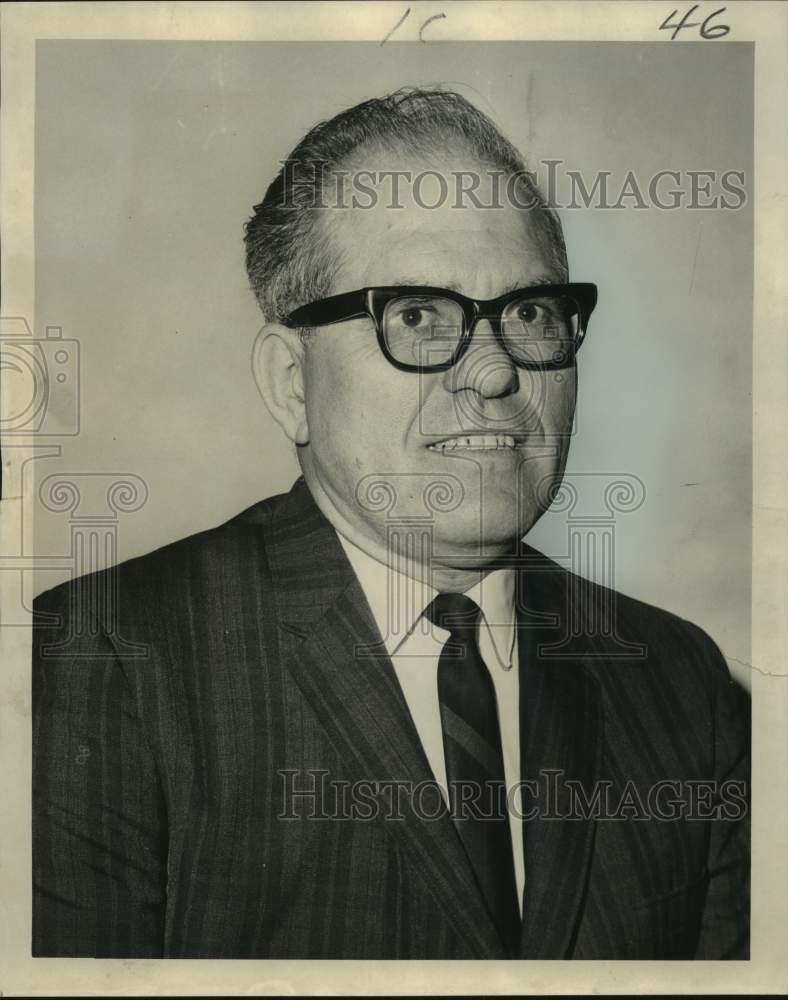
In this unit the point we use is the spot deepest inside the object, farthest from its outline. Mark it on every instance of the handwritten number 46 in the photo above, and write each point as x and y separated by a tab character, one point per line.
706	30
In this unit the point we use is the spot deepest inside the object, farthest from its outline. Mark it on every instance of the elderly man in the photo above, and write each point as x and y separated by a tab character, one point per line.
363	719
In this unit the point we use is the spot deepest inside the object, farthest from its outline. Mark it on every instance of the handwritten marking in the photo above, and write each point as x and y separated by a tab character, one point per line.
435	17
403	18
706	30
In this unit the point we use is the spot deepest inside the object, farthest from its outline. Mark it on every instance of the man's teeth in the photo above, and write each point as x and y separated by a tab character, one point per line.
476	442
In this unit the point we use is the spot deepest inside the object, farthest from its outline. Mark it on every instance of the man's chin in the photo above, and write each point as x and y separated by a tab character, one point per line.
468	543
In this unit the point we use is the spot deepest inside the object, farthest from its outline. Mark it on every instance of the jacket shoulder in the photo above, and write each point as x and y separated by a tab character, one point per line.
185	564
610	626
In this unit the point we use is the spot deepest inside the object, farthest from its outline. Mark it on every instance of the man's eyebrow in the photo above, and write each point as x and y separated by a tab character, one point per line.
419	282
534	282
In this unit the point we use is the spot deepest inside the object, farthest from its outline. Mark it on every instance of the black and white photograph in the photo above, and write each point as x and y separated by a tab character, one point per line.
394	538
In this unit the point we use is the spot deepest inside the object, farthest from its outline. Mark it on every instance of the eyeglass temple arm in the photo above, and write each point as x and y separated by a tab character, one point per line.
350	305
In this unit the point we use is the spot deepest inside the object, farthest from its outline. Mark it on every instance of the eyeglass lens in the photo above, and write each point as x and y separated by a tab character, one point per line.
427	330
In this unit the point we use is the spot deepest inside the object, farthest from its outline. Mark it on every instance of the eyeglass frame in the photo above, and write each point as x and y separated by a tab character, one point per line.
372	302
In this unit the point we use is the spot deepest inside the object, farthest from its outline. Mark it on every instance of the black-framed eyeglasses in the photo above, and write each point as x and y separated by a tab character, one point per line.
424	328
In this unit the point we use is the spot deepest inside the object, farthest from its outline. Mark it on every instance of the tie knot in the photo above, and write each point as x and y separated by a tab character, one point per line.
454	612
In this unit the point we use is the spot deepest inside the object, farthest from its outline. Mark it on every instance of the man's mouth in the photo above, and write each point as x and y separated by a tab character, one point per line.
477	442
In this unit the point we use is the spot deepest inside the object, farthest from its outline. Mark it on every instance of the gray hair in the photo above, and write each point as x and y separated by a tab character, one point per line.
289	256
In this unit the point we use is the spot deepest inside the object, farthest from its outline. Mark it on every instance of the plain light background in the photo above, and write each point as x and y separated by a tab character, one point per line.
149	157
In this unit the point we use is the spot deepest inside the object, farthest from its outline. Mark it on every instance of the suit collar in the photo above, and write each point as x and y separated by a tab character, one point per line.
307	562
385	589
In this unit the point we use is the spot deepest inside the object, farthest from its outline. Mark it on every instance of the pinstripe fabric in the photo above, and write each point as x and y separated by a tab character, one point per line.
160	737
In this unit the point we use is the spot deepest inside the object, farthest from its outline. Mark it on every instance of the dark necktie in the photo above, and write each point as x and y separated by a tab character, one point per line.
474	760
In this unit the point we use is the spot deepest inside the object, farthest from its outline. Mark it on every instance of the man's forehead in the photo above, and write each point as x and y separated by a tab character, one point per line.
472	251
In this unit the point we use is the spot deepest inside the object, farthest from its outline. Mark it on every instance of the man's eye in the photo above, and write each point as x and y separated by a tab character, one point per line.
418	316
531	313
412	317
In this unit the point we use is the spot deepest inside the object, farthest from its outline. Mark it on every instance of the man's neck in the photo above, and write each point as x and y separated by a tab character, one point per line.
446	574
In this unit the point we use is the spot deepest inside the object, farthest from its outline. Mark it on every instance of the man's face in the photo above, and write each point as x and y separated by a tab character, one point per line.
370	423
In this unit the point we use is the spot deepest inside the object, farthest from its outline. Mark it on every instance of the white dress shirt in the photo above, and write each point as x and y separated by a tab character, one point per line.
414	646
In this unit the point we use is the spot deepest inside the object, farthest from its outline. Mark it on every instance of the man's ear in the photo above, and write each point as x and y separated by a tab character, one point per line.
277	360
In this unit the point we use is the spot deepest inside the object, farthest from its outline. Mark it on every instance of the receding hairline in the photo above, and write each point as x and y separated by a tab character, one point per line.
536	220
289	254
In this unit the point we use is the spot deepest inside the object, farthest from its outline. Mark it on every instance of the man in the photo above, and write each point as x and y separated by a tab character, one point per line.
297	735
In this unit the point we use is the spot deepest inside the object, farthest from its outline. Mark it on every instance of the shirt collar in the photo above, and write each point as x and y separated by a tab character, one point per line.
397	602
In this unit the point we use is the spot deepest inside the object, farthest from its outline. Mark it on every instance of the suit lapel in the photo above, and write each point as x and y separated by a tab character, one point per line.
561	738
340	665
344	673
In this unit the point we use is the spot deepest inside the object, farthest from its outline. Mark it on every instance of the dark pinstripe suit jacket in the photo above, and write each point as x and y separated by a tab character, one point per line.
165	712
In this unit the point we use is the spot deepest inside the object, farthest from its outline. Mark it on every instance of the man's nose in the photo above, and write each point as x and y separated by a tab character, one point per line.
486	368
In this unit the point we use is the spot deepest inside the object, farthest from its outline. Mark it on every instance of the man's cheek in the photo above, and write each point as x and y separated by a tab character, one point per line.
559	404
